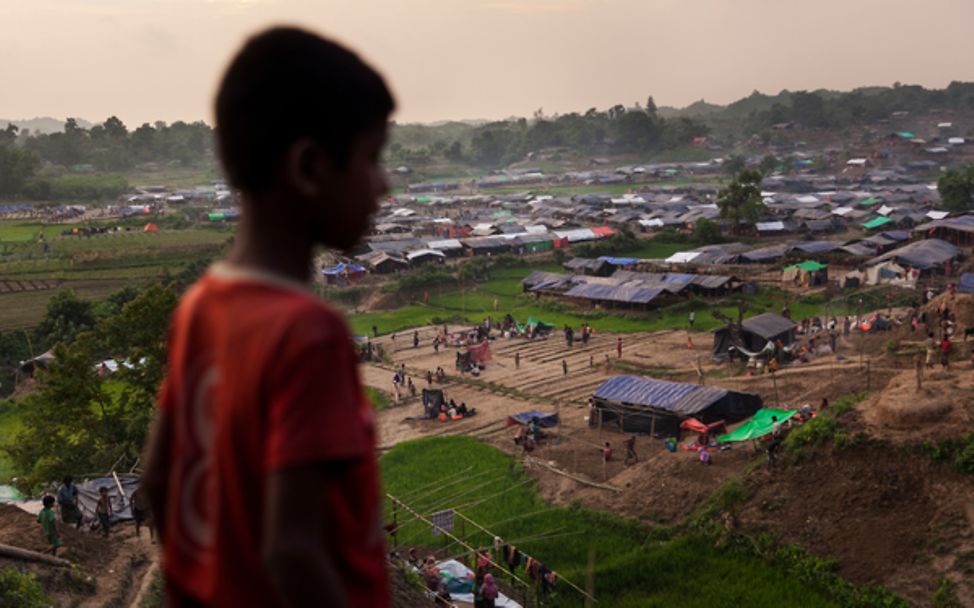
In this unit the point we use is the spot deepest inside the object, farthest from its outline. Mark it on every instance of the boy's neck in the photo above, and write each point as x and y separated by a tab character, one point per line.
271	242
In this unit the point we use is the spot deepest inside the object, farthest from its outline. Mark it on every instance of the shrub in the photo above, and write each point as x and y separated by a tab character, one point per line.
945	596
21	589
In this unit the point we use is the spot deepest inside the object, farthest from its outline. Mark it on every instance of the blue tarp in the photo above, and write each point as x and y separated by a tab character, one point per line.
340	268
619	261
546	421
966	284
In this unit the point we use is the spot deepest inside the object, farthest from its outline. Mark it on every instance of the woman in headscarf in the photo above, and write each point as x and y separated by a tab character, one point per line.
489	592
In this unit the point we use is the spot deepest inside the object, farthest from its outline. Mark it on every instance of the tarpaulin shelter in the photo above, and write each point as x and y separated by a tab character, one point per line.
343	272
459	581
636	404
433	398
150	228
545	421
479	353
756	332
876	222
925	255
758	426
808	273
88	495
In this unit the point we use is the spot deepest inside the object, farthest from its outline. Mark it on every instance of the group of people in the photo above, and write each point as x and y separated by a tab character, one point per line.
67	504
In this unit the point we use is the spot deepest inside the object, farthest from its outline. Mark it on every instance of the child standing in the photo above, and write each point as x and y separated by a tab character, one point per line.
48	521
265	487
104	510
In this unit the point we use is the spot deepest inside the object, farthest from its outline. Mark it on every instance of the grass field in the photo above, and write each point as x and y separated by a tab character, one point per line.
471	303
633	565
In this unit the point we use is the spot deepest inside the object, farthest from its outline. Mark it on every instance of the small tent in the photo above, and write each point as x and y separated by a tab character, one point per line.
150	227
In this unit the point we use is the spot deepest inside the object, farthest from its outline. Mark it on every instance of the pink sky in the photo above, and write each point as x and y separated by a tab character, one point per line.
452	59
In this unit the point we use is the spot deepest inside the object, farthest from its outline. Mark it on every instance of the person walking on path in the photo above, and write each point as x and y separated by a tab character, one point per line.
564	367
517	360
619	347
692	319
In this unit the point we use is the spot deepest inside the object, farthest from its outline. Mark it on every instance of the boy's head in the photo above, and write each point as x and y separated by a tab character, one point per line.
103	491
304	119
48	502
68	480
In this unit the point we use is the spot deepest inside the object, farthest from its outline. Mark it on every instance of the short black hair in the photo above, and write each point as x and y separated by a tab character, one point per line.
68	479
287	83
48	501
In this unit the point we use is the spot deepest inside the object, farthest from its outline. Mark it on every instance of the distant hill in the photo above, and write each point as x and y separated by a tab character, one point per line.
43	124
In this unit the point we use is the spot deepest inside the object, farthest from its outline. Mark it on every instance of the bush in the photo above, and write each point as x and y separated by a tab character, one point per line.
945	596
21	589
958	453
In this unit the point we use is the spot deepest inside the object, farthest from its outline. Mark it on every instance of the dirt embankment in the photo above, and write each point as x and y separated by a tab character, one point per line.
108	570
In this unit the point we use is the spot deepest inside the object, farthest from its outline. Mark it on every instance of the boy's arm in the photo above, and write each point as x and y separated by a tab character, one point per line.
156	459
295	536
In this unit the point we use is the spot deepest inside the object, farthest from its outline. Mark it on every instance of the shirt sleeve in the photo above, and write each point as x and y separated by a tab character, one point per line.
316	411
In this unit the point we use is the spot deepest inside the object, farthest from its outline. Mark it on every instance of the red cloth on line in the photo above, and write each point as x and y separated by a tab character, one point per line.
262	376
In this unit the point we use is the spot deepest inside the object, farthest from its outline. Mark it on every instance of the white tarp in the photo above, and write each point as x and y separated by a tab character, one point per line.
841	211
937	215
653	223
682	257
412	255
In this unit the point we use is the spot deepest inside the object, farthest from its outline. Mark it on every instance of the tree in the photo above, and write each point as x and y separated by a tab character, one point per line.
768	164
67	316
17	167
734	164
740	202
706	231
956	189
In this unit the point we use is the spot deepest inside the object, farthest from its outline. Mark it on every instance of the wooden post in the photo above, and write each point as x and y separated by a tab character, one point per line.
774	380
868	375
652	425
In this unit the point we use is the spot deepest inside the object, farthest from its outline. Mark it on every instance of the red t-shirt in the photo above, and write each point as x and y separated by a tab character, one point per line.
262	376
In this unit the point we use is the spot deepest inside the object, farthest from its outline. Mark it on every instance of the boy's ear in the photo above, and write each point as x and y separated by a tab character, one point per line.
307	167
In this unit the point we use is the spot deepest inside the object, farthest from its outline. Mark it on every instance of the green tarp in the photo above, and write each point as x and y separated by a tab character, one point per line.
758	426
868	202
809	266
216	217
537	323
876	222
906	135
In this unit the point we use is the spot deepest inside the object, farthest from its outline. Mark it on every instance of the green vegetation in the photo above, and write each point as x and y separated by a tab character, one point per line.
740	202
957	189
945	596
821	430
633	565
77	420
379	399
957	452
22	589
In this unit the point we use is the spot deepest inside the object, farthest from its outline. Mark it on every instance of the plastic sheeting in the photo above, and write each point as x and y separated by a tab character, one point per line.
544	420
758	426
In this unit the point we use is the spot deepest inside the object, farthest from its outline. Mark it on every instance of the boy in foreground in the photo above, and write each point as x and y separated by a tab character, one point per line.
261	466
47	518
